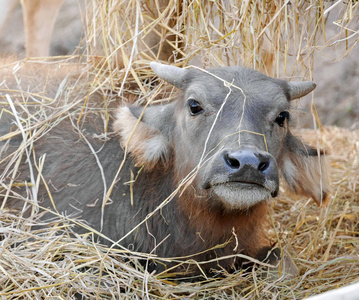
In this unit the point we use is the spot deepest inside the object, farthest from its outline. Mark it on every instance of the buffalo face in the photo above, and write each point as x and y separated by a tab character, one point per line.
226	136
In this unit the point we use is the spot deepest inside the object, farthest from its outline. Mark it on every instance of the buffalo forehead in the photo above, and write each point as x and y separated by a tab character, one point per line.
262	94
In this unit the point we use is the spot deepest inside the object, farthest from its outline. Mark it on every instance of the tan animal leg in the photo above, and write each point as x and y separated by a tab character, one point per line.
6	10
39	21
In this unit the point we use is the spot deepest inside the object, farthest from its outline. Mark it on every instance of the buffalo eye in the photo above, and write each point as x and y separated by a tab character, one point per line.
194	107
284	115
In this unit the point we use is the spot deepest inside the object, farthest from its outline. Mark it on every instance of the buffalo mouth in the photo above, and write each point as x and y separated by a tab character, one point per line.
242	195
243	184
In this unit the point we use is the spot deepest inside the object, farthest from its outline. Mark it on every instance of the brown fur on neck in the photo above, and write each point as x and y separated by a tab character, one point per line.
244	229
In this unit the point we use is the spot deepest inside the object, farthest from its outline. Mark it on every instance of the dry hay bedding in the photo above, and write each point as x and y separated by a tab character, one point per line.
49	262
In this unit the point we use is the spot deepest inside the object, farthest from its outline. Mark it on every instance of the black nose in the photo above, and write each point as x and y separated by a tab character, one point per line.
243	159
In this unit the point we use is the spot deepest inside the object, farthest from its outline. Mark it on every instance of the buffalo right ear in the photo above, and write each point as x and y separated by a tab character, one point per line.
145	133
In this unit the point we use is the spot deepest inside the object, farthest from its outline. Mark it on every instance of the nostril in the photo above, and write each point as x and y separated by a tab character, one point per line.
263	166
232	161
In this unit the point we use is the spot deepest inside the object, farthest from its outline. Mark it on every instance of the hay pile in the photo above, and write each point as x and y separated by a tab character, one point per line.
120	41
324	243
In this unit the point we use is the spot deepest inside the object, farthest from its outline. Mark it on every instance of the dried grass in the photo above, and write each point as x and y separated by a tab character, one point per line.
50	263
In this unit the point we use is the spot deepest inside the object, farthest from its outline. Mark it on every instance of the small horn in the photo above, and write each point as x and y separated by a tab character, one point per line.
171	74
299	89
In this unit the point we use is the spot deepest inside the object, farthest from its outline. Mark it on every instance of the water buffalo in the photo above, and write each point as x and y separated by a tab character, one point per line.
197	171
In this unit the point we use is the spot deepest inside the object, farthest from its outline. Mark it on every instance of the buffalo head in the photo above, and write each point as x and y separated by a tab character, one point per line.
228	134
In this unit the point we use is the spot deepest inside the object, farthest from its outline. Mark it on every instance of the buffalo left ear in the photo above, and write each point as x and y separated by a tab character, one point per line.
146	133
305	171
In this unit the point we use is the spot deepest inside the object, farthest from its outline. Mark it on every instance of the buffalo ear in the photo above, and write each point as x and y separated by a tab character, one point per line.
145	135
305	171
